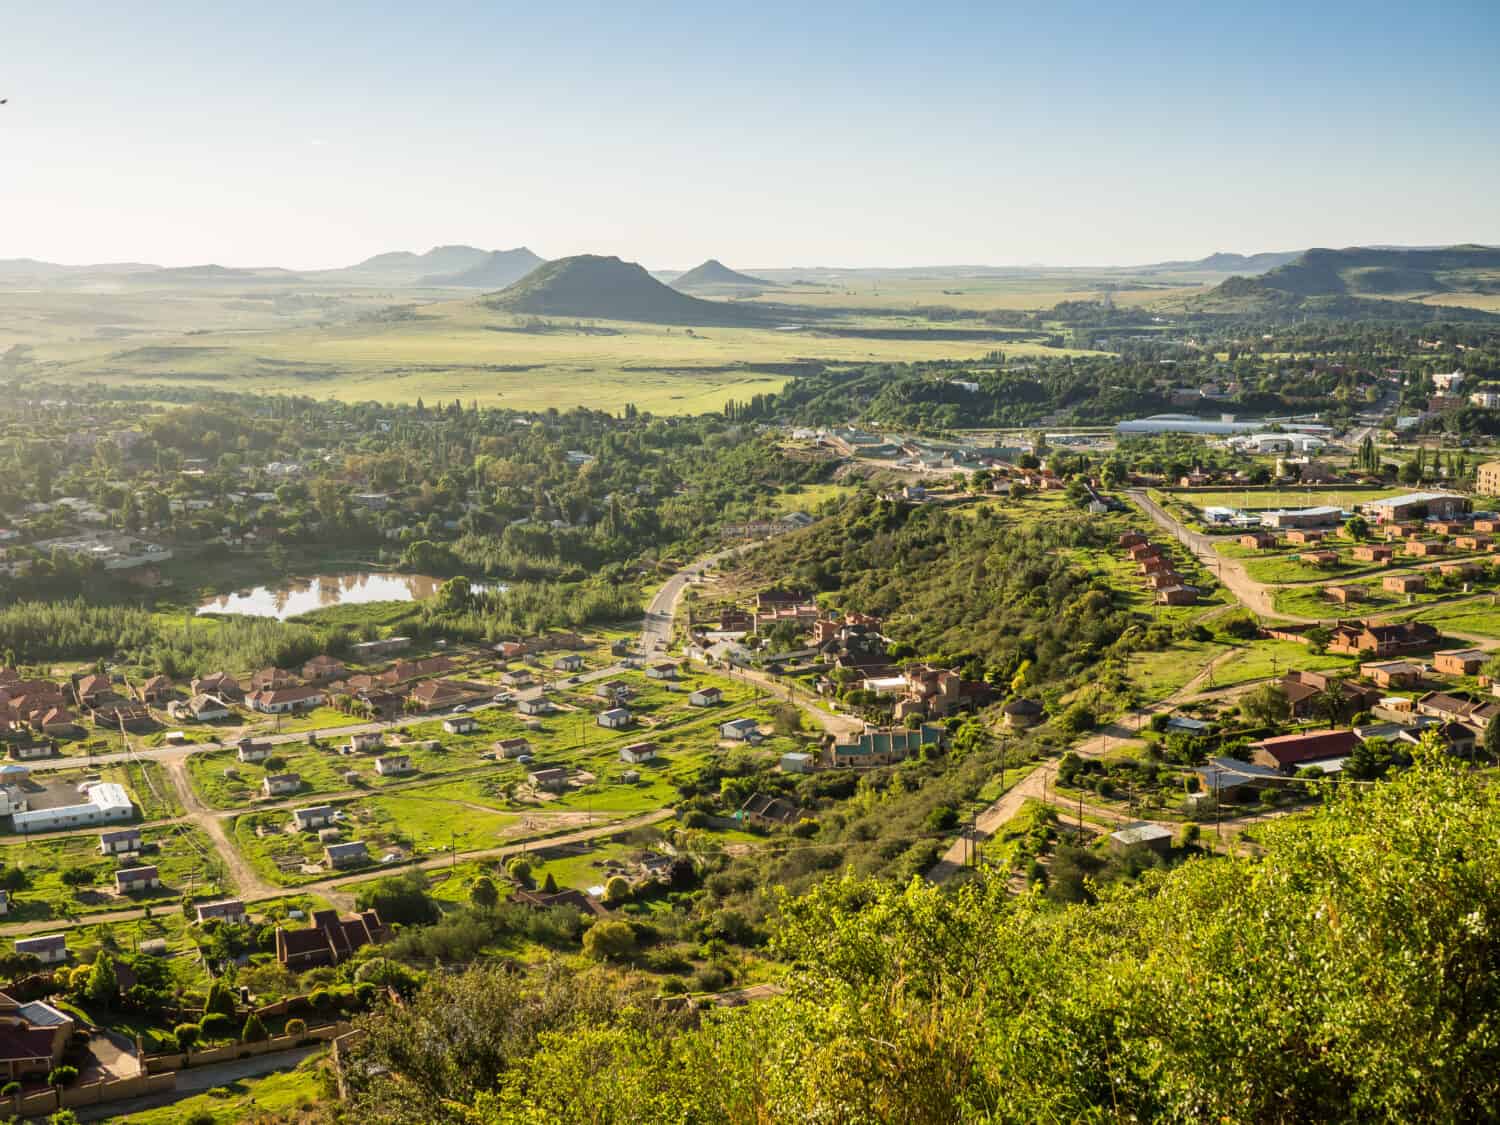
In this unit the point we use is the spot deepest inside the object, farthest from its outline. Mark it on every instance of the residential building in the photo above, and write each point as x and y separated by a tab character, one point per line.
121	841
328	940
1289	752
1022	713
362	742
1417	506
1319	558
666	671
534	705
158	689
251	751
350	854
1474	542
50	949
461	724
639	752
393	765
1345	594
1487	481
1425	548
770	812
1229	779
1353	638
1392	673
313	817
797	762
1304	691
1142	834
272	679
1303	518
34	1038
321	669
706	697
1373	552
883	747
512	747
570	662
282	701
1177	595
1459	661
1258	541
1404	583
220	684
1459	569
437	695
230	910
615	718
131	879
280	784
552	780
740	730
208	708
1303	536
1445	705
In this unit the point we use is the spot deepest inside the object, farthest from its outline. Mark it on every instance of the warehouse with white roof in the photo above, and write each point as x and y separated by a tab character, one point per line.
107	802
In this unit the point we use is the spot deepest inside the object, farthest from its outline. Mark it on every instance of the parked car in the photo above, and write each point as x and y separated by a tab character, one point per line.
462	707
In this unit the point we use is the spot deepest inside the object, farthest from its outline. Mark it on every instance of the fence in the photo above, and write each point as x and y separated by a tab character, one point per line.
156	1064
42	1102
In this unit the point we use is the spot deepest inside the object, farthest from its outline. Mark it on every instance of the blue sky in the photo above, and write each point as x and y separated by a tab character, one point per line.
765	134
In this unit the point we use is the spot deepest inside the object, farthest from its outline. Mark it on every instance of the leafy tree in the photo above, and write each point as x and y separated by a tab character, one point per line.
103	986
254	1030
616	890
216	1025
1266	706
220	999
609	940
482	893
186	1035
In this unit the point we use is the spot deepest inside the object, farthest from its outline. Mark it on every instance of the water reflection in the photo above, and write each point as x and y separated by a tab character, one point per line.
292	598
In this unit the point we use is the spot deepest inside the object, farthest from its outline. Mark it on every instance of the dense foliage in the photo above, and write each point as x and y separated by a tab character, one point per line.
1348	974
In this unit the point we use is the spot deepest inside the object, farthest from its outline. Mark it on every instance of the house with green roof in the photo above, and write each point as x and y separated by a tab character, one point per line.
883	747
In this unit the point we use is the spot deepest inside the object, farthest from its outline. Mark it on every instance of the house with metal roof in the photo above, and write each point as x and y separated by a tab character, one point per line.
1143	833
884	747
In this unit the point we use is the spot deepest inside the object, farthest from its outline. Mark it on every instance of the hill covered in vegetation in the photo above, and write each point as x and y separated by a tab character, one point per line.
606	288
1348	973
714	274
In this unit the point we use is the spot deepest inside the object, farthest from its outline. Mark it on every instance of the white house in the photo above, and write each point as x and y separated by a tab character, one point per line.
706	697
535	706
363	741
392	765
225	910
460	724
740	730
207	708
350	854
51	949
569	662
796	762
283	701
638	752
512	747
666	671
279	784
129	879
120	841
314	816
251	751
615	718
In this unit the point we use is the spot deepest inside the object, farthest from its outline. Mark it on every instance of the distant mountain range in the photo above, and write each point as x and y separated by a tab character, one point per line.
1228	263
495	270
601	288
714	274
1361	281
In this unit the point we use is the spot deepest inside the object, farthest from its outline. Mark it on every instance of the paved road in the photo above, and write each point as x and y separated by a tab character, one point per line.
656	630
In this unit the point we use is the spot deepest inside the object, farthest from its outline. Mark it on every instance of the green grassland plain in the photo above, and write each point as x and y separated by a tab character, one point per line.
441	350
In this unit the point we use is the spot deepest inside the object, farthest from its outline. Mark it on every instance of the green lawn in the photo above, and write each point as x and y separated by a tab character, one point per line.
1289	568
1159	674
283	1092
184	857
1475	617
1262	659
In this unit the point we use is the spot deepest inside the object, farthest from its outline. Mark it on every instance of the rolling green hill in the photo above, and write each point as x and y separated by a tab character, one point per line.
1359	271
600	288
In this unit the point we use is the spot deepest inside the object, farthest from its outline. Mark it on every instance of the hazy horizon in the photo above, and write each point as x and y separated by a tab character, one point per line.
845	135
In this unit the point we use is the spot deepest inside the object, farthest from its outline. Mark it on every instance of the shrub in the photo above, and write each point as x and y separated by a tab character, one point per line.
520	871
609	940
616	890
62	1075
200	1117
216	1025
296	1027
253	1031
186	1035
320	998
365	992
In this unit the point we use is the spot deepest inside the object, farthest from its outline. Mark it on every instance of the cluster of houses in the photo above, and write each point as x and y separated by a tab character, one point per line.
32	707
1157	570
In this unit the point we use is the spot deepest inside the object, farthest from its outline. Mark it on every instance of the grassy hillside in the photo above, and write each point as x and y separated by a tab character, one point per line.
592	286
495	270
714	274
